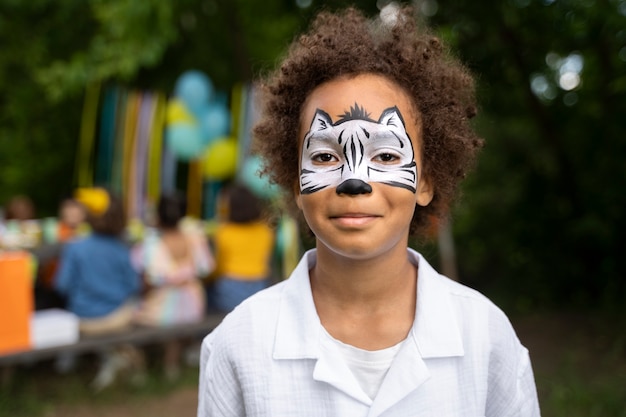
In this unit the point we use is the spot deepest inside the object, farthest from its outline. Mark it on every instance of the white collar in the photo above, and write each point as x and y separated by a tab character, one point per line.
435	328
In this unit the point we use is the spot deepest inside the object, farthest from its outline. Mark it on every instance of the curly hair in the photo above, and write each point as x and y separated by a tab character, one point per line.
348	43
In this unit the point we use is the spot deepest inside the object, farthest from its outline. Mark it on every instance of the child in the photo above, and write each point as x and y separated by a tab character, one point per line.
243	249
368	124
72	216
172	261
97	279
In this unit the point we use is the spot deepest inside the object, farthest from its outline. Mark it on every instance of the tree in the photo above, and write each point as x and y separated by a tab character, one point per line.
54	49
542	214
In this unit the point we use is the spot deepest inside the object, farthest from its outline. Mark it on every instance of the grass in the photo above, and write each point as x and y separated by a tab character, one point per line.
579	362
568	394
39	391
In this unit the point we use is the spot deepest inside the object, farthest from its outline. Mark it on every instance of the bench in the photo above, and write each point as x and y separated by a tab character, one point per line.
137	336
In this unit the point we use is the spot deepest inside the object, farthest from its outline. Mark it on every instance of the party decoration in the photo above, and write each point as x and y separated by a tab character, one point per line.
250	176
214	122
177	112
195	89
220	160
196	116
133	142
87	139
184	140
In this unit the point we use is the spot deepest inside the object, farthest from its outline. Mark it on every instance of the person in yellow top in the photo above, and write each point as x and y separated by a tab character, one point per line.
243	245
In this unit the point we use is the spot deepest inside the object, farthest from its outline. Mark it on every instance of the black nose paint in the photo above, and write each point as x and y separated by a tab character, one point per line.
354	187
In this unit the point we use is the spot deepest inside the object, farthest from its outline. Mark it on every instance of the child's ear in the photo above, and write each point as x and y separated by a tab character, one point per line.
425	192
296	193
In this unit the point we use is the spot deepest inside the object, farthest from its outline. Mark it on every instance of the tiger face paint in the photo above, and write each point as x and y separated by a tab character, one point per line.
356	150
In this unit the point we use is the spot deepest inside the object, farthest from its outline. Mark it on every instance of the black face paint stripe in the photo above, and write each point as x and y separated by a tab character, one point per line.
353	149
311	190
362	152
413	176
401	185
399	139
345	155
410	178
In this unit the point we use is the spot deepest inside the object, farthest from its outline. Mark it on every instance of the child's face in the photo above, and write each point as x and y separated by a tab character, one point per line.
72	214
360	166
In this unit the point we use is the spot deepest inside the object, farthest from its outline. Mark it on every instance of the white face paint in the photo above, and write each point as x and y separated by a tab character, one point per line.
357	148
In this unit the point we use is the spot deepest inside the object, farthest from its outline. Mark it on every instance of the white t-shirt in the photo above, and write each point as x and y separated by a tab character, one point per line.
369	367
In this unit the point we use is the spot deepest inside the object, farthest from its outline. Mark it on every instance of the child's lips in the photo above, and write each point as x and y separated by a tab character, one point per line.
354	219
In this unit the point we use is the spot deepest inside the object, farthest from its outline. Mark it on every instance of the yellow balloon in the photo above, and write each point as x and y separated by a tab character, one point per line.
220	159
177	112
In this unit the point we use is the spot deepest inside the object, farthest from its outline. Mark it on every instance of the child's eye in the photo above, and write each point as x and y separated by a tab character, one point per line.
385	157
324	157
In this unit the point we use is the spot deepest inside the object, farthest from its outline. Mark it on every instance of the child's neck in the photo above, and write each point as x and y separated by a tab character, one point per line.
377	295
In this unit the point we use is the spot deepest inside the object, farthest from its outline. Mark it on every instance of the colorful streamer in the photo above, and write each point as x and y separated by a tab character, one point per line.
84	156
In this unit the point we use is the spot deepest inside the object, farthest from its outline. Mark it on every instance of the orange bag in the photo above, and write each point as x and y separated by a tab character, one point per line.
16	301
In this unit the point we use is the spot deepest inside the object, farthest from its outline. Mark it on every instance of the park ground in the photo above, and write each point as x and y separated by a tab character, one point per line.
579	361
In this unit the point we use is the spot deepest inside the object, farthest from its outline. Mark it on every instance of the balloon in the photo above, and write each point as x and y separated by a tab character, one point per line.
220	160
195	89
250	176
177	112
214	122
184	140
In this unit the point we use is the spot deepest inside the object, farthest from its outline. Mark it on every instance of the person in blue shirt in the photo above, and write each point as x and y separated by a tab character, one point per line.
97	279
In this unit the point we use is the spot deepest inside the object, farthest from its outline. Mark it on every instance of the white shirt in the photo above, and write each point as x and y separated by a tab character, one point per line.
461	358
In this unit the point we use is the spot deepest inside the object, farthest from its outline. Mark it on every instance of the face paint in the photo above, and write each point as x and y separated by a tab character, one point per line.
357	149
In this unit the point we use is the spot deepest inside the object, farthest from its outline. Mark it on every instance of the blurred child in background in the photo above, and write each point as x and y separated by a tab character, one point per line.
72	218
20	208
98	281
172	261
243	247
19	228
72	215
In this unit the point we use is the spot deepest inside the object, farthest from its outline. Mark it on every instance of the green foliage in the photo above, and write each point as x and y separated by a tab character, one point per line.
53	49
36	138
540	219
126	35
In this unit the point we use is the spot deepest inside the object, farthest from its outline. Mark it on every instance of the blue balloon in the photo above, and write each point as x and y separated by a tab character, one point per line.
195	89
250	176
184	140
214	122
